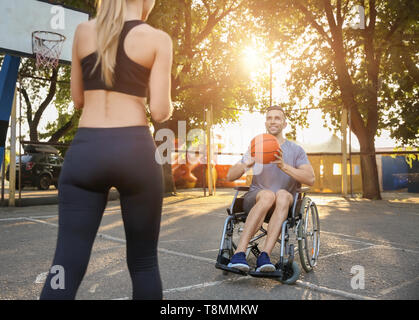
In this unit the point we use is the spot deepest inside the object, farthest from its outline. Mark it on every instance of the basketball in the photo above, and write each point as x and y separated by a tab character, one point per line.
264	147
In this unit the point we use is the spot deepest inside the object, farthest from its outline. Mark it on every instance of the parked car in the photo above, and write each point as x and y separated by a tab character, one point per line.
38	169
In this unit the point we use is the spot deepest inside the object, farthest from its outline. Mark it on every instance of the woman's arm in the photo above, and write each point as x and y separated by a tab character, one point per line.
160	79
77	90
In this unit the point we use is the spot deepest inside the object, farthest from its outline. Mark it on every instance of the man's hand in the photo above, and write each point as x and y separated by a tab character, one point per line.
279	160
249	163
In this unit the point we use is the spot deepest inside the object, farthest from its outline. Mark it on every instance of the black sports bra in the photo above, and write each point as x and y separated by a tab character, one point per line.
130	77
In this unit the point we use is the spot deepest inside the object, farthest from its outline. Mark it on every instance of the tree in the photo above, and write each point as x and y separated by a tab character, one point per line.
208	38
369	70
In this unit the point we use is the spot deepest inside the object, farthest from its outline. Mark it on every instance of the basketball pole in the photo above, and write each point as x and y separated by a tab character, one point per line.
12	171
209	153
350	153
344	170
8	78
214	180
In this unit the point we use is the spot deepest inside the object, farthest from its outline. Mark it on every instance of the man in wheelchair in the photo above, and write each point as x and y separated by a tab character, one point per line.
271	192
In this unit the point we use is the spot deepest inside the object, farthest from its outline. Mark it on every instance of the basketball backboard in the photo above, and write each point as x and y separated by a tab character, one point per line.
22	17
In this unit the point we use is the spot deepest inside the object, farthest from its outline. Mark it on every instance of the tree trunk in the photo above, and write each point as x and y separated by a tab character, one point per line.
33	125
370	182
62	131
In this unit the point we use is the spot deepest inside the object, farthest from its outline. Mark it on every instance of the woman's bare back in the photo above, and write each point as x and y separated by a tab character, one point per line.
108	108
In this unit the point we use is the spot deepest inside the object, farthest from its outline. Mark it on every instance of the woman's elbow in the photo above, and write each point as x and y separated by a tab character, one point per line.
163	114
78	101
161	117
78	105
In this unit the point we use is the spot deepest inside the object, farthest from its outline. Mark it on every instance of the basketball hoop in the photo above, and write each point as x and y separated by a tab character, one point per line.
47	47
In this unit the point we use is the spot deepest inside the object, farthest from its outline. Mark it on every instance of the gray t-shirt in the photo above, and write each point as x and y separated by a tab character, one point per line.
269	176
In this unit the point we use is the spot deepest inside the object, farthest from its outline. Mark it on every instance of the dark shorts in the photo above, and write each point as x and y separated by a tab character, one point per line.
250	200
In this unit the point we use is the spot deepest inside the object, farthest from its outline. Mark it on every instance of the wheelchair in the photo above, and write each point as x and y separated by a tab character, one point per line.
303	221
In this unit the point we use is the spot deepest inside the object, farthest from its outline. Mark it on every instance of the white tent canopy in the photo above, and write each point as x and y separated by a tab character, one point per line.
332	145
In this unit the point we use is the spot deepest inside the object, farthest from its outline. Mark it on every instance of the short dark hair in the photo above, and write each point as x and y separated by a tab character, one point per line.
279	108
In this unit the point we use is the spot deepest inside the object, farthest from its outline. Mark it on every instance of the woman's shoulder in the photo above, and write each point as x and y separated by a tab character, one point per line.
90	24
156	34
84	28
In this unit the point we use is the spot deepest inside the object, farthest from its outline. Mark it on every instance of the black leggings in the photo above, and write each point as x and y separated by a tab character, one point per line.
98	159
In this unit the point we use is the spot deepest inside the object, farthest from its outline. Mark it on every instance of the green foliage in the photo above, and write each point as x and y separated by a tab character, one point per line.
208	70
381	60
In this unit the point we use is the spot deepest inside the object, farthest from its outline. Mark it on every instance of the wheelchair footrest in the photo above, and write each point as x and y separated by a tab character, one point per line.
275	274
226	268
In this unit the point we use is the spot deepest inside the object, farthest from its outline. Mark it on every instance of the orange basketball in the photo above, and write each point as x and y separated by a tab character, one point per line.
264	147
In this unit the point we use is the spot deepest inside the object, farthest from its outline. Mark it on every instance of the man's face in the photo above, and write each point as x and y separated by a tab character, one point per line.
275	122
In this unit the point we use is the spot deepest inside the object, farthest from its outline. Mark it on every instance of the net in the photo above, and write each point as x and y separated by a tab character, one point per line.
47	47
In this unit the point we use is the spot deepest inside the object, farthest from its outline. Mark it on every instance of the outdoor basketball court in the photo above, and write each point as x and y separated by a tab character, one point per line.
369	249
379	236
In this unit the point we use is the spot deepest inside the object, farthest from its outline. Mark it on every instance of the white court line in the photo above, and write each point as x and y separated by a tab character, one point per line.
332	291
349	251
204	285
187	255
105	236
40	221
11	219
40	278
401	285
23	218
299	283
388	243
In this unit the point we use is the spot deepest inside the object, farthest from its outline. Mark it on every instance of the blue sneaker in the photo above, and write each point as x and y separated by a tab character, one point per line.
238	261
263	263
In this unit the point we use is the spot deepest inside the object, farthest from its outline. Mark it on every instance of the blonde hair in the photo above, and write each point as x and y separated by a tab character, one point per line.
109	24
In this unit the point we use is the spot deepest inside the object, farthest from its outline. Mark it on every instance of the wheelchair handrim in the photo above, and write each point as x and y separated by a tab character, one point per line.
315	235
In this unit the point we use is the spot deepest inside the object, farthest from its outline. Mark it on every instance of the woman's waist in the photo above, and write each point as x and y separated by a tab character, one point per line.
137	134
113	105
112	116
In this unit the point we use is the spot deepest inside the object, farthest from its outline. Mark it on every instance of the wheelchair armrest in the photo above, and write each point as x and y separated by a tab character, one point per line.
242	188
303	189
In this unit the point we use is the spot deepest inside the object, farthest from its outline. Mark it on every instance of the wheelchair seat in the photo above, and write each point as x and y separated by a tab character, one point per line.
237	210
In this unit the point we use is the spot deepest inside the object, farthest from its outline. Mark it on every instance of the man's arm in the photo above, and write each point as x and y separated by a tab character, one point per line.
239	169
304	174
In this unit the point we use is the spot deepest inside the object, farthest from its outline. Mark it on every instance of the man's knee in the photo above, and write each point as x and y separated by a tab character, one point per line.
266	198
283	198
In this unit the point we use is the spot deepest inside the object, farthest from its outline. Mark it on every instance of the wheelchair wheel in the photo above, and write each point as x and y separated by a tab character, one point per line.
291	272
309	235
